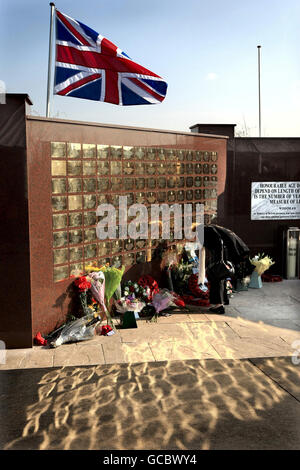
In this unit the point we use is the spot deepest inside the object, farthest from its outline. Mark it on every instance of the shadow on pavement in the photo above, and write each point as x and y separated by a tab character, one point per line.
192	404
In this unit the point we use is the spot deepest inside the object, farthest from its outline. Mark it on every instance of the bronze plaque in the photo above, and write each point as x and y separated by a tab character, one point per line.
89	168
171	182
89	150
75	237
171	196
90	251
59	185
189	181
103	151
76	269
115	168
74	150
90	234
198	181
58	168
74	168
151	183
74	185
128	168
161	197
59	221
116	184
128	184
89	185
60	273
140	183
128	153
141	257
60	239
89	218
75	219
140	153
89	201
140	198
116	152
139	168
128	259
180	182
116	261
162	182
60	256
103	184
75	202
59	203
180	196
58	150
75	253
150	168
104	248
103	168
214	169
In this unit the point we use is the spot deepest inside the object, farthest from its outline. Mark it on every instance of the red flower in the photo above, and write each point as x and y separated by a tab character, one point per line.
131	288
148	281
105	329
39	340
82	284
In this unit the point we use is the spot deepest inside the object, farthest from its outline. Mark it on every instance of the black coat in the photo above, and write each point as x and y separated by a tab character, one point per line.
235	250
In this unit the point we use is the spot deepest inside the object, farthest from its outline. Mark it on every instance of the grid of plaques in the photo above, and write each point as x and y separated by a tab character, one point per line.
86	175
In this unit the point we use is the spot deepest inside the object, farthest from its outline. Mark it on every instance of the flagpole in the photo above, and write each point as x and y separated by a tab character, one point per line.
259	100
50	59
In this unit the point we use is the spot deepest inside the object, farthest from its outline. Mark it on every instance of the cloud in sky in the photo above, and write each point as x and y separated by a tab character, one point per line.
211	76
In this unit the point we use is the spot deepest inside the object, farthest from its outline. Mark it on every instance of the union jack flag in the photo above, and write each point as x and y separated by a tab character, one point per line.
90	66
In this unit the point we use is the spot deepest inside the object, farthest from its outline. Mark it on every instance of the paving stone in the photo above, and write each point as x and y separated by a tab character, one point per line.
69	355
212	331
14	358
94	352
152	331
113	350
182	350
175	318
248	347
38	357
137	352
283	371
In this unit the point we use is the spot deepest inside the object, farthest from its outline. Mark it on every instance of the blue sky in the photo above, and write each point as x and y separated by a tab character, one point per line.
206	51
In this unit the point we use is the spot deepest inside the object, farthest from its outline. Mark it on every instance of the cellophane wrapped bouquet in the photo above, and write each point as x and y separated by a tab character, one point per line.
262	263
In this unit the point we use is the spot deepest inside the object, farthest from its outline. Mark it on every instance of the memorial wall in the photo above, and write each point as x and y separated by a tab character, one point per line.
70	168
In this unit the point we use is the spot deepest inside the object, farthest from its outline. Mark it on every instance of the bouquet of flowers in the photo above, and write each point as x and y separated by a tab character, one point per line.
129	304
261	263
162	300
180	276
83	285
137	291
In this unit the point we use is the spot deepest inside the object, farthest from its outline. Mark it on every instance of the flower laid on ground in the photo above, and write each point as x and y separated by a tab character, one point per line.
139	291
261	262
129	304
39	340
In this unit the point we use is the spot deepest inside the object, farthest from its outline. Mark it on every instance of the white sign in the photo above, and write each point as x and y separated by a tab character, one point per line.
275	200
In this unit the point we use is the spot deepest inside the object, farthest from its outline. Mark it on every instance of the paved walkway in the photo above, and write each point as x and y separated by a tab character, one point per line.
191	381
258	323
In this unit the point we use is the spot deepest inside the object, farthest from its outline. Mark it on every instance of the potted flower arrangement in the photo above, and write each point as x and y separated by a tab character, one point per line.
261	262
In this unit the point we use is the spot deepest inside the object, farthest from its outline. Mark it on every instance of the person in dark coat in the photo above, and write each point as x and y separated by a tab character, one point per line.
216	240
